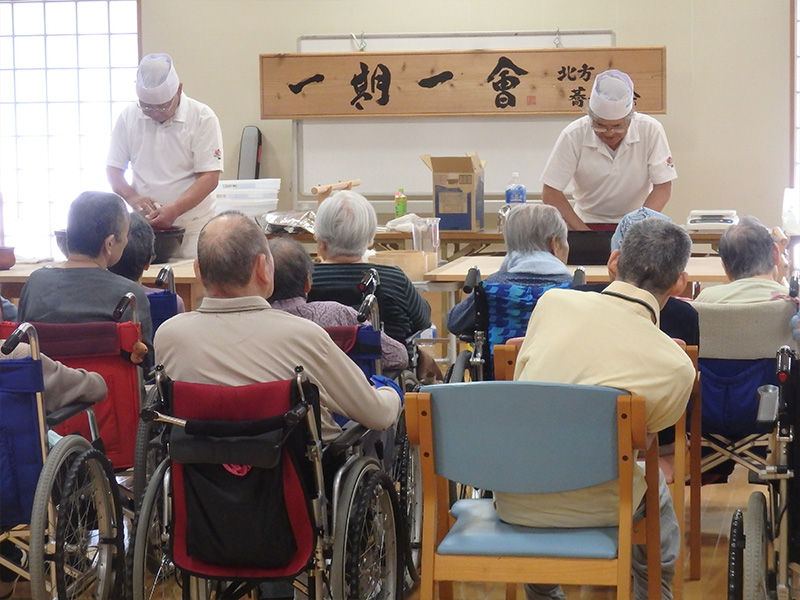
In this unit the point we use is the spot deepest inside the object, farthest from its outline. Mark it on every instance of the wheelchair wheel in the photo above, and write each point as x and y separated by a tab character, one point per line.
736	556
461	370
372	560
153	574
89	552
43	518
408	480
754	580
365	528
150	449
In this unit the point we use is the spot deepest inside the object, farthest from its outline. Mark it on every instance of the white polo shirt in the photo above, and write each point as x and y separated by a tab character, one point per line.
165	157
609	185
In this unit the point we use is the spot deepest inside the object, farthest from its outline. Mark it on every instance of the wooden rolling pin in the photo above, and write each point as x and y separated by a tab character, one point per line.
323	191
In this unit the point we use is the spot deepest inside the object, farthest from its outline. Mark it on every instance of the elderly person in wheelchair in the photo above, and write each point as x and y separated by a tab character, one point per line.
293	271
536	241
82	289
345	227
235	337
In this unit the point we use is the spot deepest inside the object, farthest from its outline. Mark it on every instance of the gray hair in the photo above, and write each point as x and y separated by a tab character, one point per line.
226	256
139	251
92	217
746	249
654	255
347	223
530	227
293	266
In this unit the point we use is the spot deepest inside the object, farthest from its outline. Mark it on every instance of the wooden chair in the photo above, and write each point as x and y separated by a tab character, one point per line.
505	360
544	438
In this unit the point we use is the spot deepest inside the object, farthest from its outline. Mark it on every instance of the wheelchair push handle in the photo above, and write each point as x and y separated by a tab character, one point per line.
784	363
166	277
369	282
579	277
16	336
472	280
127	300
366	308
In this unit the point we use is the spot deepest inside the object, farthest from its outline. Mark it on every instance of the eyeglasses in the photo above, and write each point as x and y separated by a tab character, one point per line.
156	109
601	129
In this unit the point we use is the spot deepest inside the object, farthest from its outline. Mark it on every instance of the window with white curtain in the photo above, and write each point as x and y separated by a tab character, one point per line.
67	68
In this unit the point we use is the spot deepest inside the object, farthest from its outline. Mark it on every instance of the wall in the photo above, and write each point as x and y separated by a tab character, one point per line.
728	61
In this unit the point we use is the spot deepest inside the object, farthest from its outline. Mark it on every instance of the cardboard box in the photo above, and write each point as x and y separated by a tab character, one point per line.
457	191
414	263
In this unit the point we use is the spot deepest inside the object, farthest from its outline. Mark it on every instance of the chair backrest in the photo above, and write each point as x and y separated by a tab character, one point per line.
100	347
525	437
21	457
738	344
241	490
745	331
361	343
509	308
163	306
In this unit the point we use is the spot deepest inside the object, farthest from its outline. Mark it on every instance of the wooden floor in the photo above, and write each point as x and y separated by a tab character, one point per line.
719	501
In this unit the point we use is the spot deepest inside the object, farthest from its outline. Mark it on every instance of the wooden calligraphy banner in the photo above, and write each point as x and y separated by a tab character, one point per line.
449	83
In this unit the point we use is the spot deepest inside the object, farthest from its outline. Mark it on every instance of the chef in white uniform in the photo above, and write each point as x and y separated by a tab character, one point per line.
618	160
173	145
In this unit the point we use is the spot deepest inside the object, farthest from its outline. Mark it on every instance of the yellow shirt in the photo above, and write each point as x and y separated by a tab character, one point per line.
592	338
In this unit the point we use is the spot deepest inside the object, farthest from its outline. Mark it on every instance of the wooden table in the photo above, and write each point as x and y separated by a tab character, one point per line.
187	284
705	269
455	244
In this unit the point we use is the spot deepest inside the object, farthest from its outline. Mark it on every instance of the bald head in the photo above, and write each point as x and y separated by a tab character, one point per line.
228	255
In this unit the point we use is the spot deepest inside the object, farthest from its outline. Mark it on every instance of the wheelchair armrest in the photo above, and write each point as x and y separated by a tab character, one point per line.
347	439
768	404
65	412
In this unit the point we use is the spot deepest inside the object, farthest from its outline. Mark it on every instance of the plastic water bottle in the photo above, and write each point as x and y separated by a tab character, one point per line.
515	191
400	203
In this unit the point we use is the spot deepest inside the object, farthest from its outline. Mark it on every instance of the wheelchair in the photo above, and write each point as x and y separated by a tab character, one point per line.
205	528
102	347
502	312
764	552
366	298
60	505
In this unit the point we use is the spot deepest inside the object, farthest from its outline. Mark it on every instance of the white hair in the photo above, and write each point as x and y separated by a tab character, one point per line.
347	223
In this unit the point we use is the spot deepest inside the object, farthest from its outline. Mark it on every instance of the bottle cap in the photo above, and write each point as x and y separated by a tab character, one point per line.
400	190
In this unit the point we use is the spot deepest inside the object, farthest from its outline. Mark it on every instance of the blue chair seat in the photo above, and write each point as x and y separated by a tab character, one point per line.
479	531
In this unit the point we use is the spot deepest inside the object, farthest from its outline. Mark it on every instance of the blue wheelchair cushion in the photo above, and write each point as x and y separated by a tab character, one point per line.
478	531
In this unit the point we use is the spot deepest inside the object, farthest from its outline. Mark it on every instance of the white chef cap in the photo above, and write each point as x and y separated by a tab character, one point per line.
156	79
612	95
